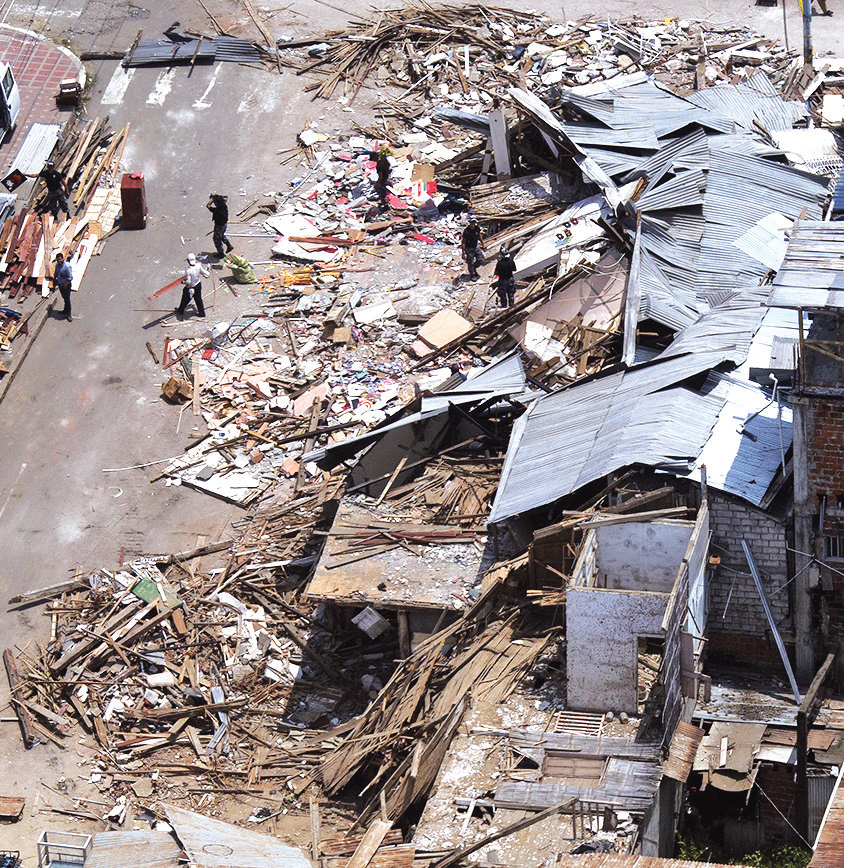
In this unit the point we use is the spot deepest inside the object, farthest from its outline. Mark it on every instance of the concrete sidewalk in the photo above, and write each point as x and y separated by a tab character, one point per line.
39	67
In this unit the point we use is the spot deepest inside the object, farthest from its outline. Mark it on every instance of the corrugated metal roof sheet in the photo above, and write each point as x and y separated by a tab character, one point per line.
660	301
683	190
135	849
691	149
739	463
812	273
569	438
829	845
749	101
36	147
640	136
728	328
215	844
221	47
682	751
838	194
615	163
542	115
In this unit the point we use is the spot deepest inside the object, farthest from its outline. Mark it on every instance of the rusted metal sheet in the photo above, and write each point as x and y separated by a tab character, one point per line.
141	849
616	860
682	751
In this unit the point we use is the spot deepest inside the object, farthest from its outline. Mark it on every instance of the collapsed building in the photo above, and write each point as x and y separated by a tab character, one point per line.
591	573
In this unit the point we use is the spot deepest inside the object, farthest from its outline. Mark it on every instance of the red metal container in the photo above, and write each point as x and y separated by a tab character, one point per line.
134	201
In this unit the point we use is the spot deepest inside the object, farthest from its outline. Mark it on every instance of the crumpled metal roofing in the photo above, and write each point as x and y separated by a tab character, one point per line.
683	190
545	119
812	273
662	302
740	191
569	438
728	328
687	152
753	100
616	163
220	47
502	376
745	464
641	136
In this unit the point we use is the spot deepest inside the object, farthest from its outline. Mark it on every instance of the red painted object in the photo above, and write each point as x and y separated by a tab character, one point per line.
134	201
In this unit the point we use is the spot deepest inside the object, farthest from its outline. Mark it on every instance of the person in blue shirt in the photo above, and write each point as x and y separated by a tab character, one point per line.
63	279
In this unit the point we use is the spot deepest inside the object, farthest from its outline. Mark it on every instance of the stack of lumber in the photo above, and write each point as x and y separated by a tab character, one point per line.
89	156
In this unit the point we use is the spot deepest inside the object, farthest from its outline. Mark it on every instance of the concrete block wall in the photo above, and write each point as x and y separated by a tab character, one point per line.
743	632
602	629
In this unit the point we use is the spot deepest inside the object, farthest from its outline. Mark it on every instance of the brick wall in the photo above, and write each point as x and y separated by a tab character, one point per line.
778	782
743	631
825	456
825	449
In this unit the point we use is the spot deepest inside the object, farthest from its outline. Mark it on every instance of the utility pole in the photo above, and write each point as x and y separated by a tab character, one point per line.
806	9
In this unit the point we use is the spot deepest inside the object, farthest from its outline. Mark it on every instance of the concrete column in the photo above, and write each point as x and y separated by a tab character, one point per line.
803	542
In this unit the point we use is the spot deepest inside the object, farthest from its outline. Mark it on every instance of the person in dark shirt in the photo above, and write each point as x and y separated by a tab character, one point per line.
220	214
63	279
56	189
505	282
471	245
383	168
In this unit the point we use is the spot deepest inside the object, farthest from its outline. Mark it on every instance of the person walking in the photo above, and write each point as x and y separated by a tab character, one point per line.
505	282
471	245
57	191
63	279
193	285
219	209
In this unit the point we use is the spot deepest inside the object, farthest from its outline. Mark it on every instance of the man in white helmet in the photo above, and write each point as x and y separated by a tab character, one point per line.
193	285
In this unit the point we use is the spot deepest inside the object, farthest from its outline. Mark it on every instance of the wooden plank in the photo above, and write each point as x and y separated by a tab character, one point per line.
386	857
45	593
369	844
314	811
346	846
459	855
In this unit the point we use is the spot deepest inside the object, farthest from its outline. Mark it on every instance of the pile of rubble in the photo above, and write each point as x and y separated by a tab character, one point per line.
428	478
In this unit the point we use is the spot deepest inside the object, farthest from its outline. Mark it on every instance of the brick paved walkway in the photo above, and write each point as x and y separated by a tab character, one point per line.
39	66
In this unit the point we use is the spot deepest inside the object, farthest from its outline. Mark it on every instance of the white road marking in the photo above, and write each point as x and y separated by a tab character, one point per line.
116	88
12	489
202	103
262	99
163	86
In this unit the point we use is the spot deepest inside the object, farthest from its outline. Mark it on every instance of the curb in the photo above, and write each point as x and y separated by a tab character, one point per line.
37	320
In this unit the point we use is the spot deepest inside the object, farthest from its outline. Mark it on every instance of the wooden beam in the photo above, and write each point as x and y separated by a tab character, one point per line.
22	712
459	855
45	593
369	844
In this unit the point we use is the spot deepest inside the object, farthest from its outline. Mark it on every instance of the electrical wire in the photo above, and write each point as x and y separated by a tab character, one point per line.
785	819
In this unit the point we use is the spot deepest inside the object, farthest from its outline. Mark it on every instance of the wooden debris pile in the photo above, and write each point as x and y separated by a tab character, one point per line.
471	53
154	658
452	490
397	744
